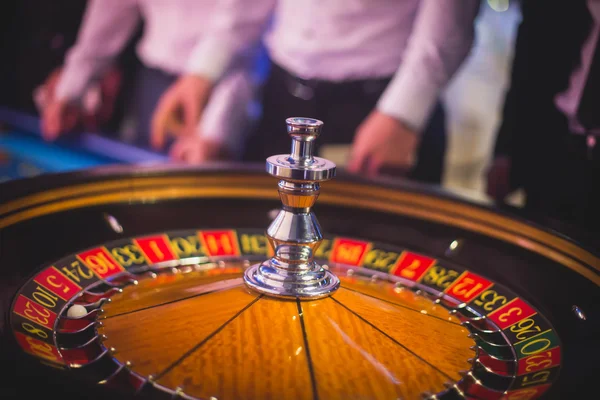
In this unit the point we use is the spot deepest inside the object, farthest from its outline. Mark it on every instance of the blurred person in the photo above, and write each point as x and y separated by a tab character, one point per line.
546	143
170	31
373	71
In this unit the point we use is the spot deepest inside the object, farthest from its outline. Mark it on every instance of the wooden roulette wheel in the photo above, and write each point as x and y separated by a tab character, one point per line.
214	283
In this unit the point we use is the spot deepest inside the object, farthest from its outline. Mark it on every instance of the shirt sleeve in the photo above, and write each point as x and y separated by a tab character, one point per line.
442	37
235	28
105	29
228	116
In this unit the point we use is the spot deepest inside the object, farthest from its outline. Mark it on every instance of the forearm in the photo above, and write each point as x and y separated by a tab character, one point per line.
442	37
106	27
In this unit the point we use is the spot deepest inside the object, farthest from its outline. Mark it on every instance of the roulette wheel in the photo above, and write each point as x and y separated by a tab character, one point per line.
226	282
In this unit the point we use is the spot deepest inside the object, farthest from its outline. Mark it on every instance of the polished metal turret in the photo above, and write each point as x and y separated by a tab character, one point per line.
295	233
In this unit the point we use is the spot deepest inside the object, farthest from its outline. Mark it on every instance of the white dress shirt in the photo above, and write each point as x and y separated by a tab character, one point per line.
568	101
421	43
172	28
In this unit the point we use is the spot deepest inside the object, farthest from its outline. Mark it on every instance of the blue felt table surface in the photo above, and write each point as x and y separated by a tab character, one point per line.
49	157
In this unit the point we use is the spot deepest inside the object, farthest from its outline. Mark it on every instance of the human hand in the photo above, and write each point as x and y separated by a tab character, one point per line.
179	109
498	178
196	150
382	141
95	108
99	100
57	116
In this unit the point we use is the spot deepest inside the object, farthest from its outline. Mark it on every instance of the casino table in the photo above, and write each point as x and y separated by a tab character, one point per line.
232	282
23	153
